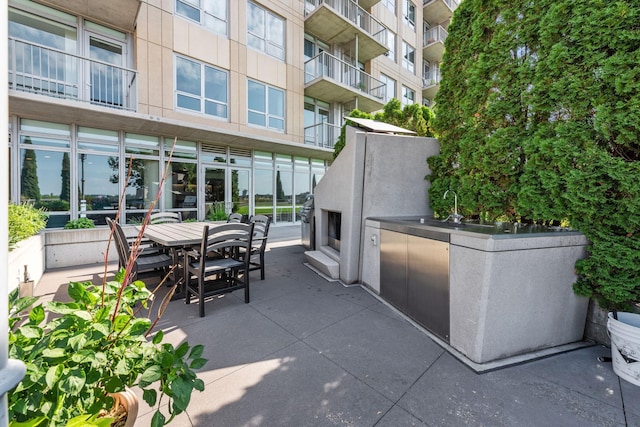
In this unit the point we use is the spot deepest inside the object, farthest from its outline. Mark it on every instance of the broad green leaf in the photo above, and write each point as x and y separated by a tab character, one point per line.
113	384
53	375
150	375
196	351
31	332
36	315
150	396
181	390
158	337
139	326
182	350
77	342
72	381
198	363
157	420
53	353
198	384
35	422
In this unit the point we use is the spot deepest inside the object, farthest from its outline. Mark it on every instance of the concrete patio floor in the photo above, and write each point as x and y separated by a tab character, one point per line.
309	352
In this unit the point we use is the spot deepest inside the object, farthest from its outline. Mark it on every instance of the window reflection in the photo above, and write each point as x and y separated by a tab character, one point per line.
98	183
143	182
181	186
263	188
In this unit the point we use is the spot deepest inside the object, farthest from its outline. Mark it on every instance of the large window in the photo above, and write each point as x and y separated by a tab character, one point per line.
390	87
45	173
408	96
265	31
201	88
266	105
409	13
408	57
211	14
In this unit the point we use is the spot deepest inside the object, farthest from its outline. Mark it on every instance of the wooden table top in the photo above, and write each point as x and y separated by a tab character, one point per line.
176	234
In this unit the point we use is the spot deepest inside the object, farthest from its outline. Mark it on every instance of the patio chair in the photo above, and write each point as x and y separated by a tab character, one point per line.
259	244
157	262
165	217
235	217
220	264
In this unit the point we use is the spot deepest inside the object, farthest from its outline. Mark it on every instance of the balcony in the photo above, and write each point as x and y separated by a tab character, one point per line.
368	4
330	79
322	135
439	11
434	43
339	21
431	84
54	73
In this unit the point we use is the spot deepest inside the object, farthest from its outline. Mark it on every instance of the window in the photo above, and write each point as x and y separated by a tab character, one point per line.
265	31
211	14
408	96
390	87
390	4
266	105
408	57
391	45
409	14
201	88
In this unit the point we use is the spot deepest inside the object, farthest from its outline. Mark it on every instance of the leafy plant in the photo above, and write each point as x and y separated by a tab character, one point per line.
217	212
79	351
75	224
24	221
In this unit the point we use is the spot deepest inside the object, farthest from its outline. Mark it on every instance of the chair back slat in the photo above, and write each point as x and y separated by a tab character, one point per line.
165	218
120	240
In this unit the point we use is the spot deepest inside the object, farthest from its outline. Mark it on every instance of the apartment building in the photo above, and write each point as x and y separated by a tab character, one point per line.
248	94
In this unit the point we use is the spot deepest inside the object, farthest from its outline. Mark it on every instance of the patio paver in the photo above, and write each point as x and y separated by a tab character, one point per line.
308	352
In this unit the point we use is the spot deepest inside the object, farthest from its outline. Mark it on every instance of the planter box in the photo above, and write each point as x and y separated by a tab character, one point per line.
29	252
66	248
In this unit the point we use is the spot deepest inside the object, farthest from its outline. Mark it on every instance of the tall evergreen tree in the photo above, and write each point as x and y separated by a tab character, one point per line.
279	190
29	186
66	174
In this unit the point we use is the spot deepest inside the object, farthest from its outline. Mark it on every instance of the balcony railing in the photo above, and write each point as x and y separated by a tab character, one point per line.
431	79
325	65
321	135
350	10
39	69
435	34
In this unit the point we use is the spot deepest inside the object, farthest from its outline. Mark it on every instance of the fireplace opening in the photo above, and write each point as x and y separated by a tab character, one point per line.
334	226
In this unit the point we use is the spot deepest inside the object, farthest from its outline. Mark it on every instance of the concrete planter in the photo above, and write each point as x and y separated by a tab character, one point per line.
66	248
29	252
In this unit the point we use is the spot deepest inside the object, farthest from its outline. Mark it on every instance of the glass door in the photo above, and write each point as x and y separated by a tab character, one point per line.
214	194
106	79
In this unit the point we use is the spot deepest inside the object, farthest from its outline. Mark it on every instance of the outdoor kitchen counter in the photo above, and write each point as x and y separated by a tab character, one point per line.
509	293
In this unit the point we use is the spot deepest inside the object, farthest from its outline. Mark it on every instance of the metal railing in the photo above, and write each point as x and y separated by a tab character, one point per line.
432	78
328	66
39	69
453	4
321	135
435	34
353	13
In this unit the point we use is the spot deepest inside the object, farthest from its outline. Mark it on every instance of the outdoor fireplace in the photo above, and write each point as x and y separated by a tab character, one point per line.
333	230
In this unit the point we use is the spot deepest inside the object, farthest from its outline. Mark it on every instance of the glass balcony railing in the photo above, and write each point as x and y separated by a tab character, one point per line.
325	65
432	78
350	10
321	135
435	34
39	69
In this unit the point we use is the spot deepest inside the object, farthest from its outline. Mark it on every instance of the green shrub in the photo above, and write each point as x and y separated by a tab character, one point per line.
80	223
24	221
217	212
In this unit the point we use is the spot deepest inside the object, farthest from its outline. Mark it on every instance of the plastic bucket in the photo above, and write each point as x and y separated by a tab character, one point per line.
625	346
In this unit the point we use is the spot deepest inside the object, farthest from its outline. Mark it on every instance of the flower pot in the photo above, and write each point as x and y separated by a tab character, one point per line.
129	401
625	346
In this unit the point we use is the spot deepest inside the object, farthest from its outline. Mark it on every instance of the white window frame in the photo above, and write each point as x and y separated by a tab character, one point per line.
265	42
409	9
406	99
389	82
204	13
390	4
202	96
407	52
268	115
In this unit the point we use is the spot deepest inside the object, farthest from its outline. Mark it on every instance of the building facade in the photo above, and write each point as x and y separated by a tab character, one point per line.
239	101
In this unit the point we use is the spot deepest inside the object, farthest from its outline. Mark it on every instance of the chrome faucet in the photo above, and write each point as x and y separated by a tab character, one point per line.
456	217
